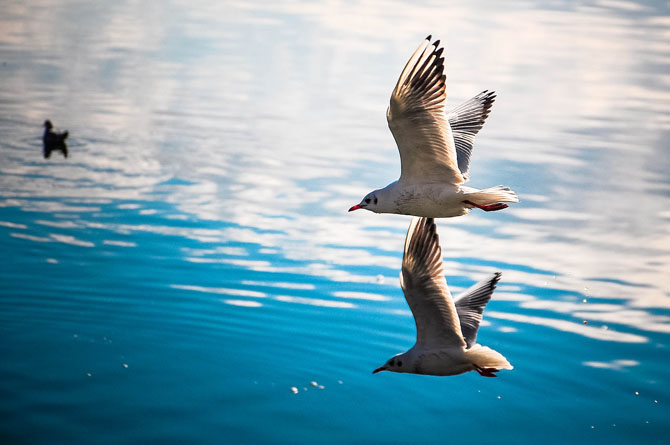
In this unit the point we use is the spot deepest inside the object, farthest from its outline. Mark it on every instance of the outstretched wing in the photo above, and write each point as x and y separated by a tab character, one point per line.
470	305
422	281
466	120
418	122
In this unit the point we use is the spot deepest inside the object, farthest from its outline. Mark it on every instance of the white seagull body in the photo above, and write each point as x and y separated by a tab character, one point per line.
434	146
446	329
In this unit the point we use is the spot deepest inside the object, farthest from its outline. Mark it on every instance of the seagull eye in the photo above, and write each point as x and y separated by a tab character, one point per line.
399	363
376	200
367	200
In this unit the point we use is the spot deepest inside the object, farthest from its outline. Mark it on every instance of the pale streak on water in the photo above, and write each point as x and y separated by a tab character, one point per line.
214	152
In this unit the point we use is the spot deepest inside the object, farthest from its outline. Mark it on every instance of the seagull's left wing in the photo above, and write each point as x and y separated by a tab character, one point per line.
422	281
418	122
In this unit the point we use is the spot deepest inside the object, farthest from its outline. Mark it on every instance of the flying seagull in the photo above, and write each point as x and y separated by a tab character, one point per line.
446	328
434	146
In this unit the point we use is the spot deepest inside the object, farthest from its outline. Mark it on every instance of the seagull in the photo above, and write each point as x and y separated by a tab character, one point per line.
446	328
434	147
53	141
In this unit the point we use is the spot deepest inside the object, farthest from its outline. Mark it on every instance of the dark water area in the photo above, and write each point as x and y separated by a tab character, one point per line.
193	260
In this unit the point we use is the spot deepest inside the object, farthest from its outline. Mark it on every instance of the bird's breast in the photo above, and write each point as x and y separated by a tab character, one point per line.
442	362
429	200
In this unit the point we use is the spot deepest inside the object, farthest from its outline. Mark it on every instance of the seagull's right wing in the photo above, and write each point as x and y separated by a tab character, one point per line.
470	305
418	122
466	120
422	281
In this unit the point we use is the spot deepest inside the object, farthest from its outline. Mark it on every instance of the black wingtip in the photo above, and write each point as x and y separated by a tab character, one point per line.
436	43
487	98
496	278
430	36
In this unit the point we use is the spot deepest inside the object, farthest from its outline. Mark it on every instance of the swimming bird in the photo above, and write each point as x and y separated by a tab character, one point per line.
434	146
446	328
53	141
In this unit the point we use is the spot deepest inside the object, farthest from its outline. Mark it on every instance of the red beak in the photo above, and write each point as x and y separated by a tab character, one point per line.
381	368
356	207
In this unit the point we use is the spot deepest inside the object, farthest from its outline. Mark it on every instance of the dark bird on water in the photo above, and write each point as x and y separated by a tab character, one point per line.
53	141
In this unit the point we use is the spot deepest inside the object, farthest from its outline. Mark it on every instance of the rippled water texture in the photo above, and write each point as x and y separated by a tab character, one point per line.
193	259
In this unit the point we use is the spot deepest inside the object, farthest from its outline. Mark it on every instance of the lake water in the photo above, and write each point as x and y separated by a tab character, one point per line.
193	259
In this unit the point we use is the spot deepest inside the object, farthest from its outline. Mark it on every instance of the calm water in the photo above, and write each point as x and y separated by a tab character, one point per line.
193	260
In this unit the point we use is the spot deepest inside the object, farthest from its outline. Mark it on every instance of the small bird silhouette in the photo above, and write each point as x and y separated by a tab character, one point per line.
53	141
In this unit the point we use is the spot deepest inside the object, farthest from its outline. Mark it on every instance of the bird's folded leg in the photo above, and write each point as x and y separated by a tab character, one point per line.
486	372
489	207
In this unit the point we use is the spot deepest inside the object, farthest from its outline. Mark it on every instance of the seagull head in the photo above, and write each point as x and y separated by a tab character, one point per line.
370	202
397	363
48	125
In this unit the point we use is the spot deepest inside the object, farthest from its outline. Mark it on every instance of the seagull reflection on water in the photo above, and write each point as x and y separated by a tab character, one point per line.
446	328
53	141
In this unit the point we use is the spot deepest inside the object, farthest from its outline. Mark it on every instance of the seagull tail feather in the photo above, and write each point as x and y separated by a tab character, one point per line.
492	195
485	357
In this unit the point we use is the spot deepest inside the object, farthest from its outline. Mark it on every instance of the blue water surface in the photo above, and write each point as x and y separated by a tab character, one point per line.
191	264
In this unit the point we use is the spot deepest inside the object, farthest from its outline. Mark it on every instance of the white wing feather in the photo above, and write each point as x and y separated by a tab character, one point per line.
470	306
416	117
465	121
425	288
